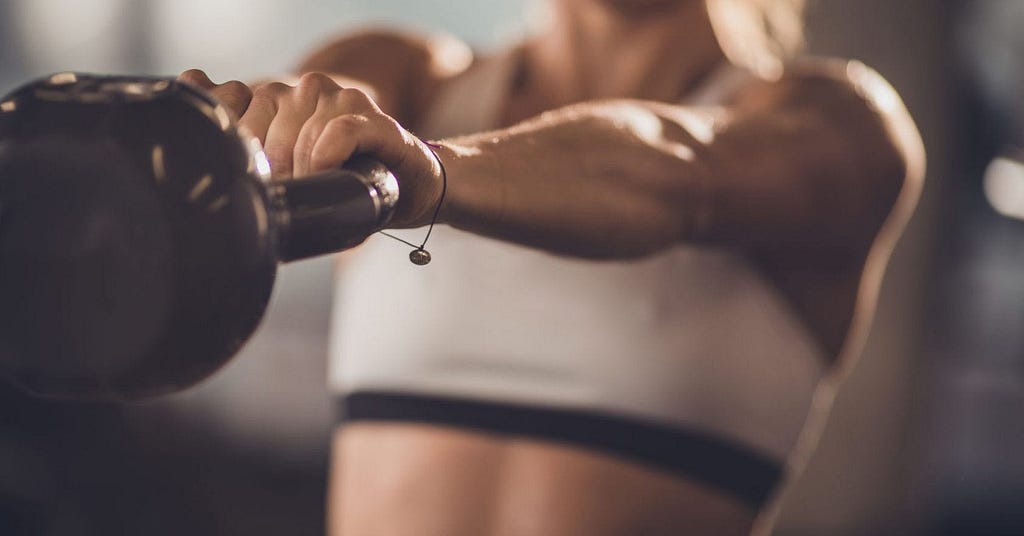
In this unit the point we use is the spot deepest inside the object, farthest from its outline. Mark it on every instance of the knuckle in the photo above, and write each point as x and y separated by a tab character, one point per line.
354	97
312	85
390	127
235	88
193	73
196	77
315	80
272	90
347	125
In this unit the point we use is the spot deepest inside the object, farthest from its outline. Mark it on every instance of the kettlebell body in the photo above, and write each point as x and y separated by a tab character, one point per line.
140	235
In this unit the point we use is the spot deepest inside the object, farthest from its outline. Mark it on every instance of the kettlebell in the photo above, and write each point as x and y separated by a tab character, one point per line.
140	234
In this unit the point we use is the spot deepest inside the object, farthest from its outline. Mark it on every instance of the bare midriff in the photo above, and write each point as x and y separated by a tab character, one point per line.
425	480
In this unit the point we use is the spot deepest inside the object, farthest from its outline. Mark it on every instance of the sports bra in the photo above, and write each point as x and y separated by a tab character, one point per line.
689	360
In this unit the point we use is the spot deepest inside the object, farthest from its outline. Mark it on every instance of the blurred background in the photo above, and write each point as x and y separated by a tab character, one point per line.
928	431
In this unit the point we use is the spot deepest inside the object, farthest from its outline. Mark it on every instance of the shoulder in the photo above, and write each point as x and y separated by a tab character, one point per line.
403	67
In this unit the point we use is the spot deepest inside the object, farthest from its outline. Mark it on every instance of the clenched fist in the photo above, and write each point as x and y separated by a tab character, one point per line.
317	124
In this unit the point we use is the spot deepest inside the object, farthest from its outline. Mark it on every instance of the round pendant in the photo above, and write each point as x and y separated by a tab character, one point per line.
420	257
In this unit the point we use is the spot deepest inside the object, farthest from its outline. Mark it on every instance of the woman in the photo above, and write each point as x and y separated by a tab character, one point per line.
639	293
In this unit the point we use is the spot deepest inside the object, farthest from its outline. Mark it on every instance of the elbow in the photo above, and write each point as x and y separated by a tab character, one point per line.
910	166
883	194
888	170
895	155
897	169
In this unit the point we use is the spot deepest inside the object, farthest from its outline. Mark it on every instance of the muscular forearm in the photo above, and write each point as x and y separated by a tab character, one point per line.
594	180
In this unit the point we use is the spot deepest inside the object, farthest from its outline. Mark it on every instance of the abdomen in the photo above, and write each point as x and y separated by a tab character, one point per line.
424	480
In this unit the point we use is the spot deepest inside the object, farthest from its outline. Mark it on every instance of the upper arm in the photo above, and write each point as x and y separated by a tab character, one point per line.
825	174
403	69
808	169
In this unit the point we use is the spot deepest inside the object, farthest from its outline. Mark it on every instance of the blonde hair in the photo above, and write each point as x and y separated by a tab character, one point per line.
759	34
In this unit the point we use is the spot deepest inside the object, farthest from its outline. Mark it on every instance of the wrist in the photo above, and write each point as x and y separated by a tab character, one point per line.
473	194
447	156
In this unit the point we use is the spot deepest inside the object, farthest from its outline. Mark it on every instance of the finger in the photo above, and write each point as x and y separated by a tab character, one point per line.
235	95
292	114
198	78
280	145
322	90
339	141
350	135
262	109
330	107
363	128
391	144
418	174
307	139
355	101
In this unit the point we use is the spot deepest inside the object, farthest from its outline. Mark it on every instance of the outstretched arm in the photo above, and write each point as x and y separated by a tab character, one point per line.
811	168
812	175
806	168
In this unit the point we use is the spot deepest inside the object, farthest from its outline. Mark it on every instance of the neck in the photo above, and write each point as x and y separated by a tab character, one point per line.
596	51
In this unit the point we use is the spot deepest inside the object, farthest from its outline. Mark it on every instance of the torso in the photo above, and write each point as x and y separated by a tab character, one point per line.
406	478
433	481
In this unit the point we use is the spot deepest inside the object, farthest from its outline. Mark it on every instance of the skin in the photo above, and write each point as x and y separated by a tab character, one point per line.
812	174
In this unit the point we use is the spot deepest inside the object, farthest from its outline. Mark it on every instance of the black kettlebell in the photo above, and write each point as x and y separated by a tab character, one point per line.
140	236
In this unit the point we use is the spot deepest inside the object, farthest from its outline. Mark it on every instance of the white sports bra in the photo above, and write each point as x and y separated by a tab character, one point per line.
690	353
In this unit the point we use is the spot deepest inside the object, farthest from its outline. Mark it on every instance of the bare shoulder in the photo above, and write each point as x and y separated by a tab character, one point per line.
404	68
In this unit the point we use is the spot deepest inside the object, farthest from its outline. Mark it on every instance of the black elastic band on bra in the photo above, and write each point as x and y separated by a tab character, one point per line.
695	455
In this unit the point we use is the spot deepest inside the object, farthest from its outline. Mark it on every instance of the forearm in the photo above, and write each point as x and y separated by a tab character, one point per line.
596	180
